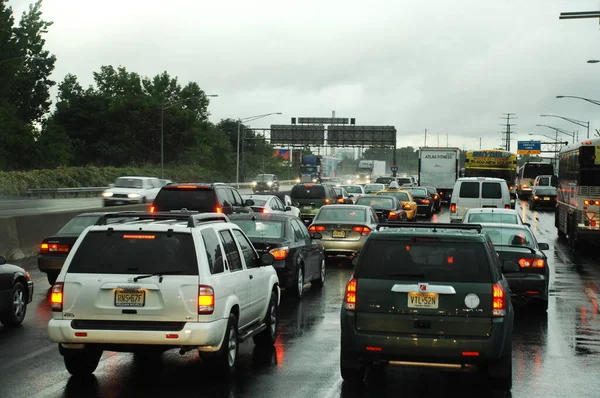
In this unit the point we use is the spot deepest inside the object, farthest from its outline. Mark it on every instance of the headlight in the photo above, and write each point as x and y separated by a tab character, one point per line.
253	183
357	176
314	180
269	183
297	180
133	195
107	194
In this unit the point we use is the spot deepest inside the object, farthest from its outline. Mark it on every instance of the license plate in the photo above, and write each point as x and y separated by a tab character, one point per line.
307	207
423	300
546	198
119	202
339	234
126	298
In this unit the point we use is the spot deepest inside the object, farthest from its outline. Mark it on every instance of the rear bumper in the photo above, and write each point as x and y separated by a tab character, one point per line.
343	248
207	335
545	203
424	210
121	201
530	285
50	263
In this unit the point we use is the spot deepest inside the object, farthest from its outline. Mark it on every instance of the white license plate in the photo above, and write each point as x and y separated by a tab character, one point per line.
546	198
119	202
423	300
126	298
307	207
339	234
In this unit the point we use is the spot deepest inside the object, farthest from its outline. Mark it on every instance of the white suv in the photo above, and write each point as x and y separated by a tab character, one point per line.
160	281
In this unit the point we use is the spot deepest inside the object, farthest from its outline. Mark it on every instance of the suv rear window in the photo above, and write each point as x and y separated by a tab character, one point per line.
469	189
308	192
491	190
135	252
196	199
430	260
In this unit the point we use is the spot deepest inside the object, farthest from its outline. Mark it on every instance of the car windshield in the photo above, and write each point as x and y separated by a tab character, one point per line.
381	203
129	183
339	191
339	214
401	196
502	218
261	229
77	225
418	192
258	202
352	189
263	178
510	236
374	187
308	192
545	191
404	180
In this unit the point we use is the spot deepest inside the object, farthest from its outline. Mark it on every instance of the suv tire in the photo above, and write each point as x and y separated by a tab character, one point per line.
227	355
267	337
82	362
500	370
15	313
351	372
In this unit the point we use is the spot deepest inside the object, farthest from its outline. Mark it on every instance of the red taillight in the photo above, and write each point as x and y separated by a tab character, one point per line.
341	200
435	197
536	198
206	300
218	210
499	300
44	248
370	348
327	201
56	297
364	231
532	263
392	215
406	207
80	334
470	354
426	201
316	228
53	248
453	208
265	210
350	296
280	253
507	206
152	209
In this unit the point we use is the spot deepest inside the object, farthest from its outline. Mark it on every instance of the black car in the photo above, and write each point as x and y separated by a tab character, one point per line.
265	182
387	208
517	243
203	198
16	291
55	249
299	259
423	199
437	199
543	197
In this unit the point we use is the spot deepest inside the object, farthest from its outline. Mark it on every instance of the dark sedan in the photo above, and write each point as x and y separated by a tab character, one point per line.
16	291
299	259
55	249
517	243
435	196
543	197
423	199
387	208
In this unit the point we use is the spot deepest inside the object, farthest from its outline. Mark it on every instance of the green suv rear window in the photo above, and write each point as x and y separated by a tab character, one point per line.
202	199
136	253
308	192
425	260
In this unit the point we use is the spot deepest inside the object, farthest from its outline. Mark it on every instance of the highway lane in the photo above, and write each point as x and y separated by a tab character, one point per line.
557	355
14	206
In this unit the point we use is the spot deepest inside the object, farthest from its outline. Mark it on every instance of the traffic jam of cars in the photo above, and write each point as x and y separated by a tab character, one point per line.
451	286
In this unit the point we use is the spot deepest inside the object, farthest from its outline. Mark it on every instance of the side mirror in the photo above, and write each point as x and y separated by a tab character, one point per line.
249	202
355	261
2	260
543	246
510	266
316	235
288	208
266	259
526	223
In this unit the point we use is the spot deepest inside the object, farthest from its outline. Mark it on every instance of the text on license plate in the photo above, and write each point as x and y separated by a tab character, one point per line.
129	298
546	198
423	300
339	234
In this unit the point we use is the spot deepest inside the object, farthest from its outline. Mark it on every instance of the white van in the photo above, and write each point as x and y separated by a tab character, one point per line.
478	192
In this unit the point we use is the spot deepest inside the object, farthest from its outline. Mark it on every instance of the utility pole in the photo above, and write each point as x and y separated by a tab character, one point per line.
425	137
507	133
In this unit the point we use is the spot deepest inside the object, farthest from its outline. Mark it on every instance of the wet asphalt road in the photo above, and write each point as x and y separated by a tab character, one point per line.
557	355
17	206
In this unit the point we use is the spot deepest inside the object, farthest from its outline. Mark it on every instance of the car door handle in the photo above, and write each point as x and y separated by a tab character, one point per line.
251	276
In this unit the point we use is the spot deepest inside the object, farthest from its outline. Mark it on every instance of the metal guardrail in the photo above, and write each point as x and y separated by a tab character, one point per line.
96	191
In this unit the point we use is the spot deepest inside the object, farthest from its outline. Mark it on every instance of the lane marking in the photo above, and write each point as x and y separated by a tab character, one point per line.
40	351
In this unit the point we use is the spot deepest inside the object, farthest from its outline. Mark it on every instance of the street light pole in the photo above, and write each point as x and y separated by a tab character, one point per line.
239	125
595	102
557	130
574	121
162	130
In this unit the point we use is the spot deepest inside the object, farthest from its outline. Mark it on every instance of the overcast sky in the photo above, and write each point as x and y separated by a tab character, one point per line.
451	67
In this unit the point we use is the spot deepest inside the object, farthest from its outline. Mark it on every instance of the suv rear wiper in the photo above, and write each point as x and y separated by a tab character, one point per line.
160	274
407	275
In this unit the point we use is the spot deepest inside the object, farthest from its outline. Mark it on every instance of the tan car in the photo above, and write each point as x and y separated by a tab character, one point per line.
344	228
408	202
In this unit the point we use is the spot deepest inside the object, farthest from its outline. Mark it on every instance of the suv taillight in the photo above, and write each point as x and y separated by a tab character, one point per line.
350	296
532	263
499	300
453	208
363	231
316	228
206	300
56	297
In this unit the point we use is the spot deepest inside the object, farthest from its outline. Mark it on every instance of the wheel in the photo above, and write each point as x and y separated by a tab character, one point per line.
227	354
15	314
352	372
298	288
81	362
51	277
500	371
321	280
267	337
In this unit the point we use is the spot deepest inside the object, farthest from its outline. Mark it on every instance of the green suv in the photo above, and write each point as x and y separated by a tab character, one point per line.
428	295
310	198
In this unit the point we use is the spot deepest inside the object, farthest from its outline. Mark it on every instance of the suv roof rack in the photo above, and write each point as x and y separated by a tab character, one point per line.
476	227
193	218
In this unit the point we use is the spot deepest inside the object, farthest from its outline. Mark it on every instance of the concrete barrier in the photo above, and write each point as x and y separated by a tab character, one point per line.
20	236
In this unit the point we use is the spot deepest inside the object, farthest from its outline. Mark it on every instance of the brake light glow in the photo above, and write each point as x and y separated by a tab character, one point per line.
53	248
350	296
507	206
80	334
206	300
152	209
56	297
499	300
591	202
139	236
524	186
218	210
532	263
364	231
536	197
435	197
280	253
369	348
316	228
425	201
392	215
44	248
470	354
172	336
265	210
406	207
327	201
186	186
453	208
